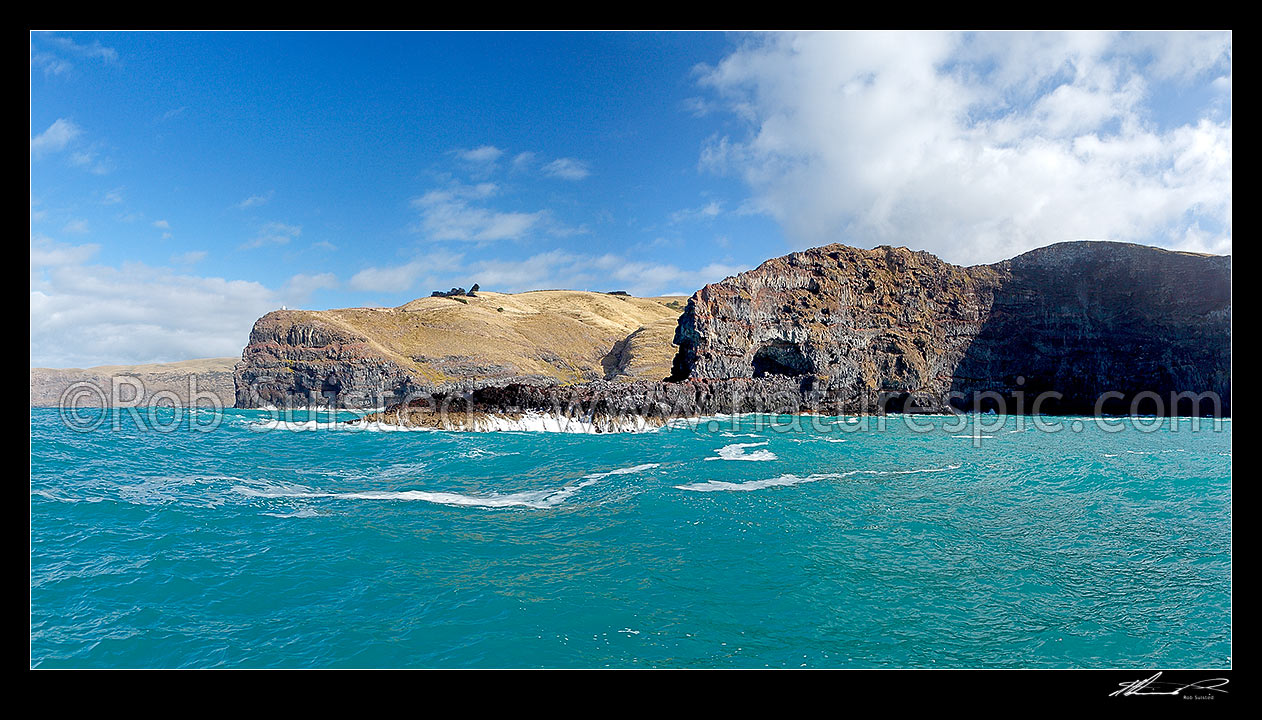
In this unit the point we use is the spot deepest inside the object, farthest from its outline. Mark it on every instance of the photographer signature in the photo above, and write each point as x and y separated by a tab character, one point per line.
1151	686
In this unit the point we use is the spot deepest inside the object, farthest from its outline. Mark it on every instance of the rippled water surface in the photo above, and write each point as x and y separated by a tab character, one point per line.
735	542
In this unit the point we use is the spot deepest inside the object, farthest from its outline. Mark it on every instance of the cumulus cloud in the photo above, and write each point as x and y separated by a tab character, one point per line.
93	50
255	201
976	146
454	213
273	233
45	252
85	314
56	138
78	227
567	169
555	269
53	53
481	155
192	257
301	287
401	278
522	161
708	211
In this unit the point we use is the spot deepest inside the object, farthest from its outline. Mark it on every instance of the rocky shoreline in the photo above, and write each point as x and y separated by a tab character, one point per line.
1072	328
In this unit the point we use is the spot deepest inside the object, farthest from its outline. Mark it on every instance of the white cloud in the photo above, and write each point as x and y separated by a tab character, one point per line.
37	215
976	146
162	224
50	63
90	161
255	200
450	214
522	161
401	278
45	252
567	169
300	287
55	139
86	314
555	269
709	211
78	227
481	155
51	55
94	50
112	197
273	233
192	257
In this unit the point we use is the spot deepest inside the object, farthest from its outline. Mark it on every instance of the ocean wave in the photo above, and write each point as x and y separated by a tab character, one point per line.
536	499
315	425
736	451
546	422
787	480
303	513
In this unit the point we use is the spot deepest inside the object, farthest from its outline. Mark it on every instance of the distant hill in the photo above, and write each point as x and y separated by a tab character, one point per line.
369	356
212	375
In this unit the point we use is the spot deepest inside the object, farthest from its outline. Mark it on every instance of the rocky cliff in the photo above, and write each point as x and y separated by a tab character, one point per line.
134	384
374	357
892	329
833	329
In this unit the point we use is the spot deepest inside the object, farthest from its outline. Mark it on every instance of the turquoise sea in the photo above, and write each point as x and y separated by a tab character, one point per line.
733	542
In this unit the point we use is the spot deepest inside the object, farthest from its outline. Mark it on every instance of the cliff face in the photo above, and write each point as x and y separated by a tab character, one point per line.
1087	318
833	329
374	357
297	357
135	385
894	329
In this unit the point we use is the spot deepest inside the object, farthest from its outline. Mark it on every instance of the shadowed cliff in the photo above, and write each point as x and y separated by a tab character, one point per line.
891	329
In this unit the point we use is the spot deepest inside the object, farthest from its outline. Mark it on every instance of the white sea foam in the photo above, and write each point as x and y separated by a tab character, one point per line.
785	480
736	451
537	499
314	425
547	422
482	453
622	471
303	513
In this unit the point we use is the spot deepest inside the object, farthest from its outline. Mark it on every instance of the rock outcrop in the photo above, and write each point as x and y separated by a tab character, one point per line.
136	385
599	406
892	329
1079	327
375	357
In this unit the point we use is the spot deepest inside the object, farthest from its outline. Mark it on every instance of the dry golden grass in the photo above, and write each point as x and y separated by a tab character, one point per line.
559	334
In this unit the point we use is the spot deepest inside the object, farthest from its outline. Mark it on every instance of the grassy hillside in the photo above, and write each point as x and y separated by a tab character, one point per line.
568	335
367	357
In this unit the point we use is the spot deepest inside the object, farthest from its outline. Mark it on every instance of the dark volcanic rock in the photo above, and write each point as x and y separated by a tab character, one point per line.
293	360
836	329
1087	318
894	329
606	405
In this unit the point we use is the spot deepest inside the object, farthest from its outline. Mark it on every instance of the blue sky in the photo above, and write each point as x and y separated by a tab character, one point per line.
182	184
